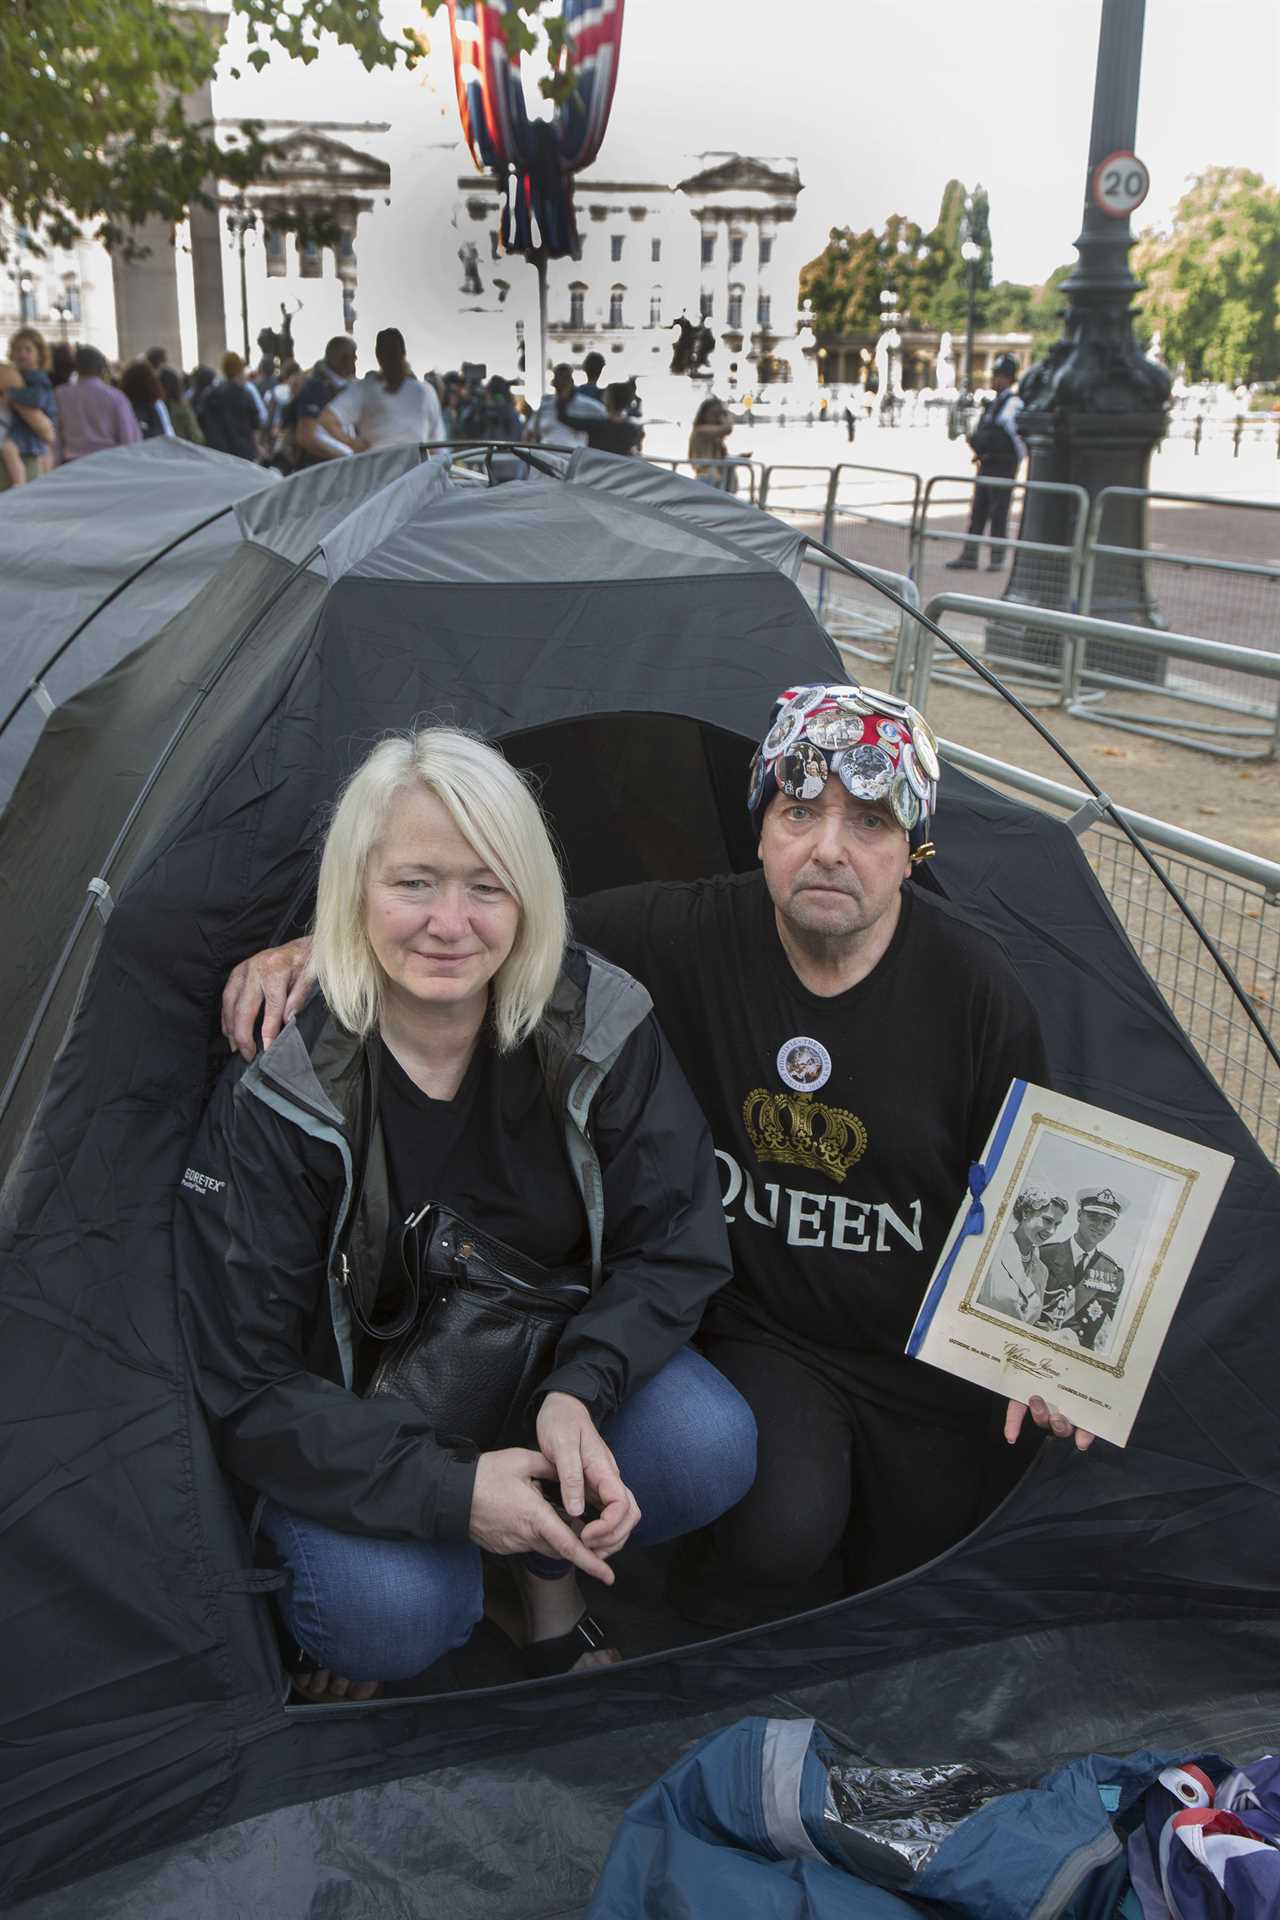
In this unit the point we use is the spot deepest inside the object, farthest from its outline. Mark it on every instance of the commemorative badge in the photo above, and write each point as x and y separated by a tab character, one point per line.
802	772
905	801
756	786
890	731
926	746
866	772
804	1065
915	773
782	732
835	732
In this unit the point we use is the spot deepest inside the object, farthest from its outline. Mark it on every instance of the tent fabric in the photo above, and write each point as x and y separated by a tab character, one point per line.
68	543
143	1709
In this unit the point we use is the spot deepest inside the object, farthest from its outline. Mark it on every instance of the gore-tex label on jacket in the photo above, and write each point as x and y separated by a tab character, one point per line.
201	1182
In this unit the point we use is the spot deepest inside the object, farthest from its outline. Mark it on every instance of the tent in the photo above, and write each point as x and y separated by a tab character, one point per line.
96	559
623	632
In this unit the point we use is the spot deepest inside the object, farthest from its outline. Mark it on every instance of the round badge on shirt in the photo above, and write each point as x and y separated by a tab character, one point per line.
804	1064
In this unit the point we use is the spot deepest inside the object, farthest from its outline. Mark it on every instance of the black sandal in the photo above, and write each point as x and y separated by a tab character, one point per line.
542	1658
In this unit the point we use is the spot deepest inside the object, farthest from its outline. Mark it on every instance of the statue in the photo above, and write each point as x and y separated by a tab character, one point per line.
944	375
471	282
279	346
703	346
682	352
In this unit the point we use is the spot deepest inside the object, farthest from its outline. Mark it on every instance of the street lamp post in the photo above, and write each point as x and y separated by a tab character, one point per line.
970	253
1095	407
241	220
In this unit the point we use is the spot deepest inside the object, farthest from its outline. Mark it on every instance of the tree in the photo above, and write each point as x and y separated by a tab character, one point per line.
93	129
1211	280
925	270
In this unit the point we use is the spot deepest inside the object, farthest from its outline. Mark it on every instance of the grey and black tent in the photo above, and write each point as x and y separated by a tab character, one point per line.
604	623
97	561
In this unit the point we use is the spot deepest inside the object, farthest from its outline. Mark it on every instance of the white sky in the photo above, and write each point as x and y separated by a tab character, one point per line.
881	102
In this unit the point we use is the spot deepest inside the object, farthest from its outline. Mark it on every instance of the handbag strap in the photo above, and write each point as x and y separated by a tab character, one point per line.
389	1330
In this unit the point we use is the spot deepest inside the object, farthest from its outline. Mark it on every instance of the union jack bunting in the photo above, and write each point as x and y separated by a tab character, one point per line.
534	160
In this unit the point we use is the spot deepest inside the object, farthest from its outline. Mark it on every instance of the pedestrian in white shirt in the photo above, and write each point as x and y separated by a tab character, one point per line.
389	408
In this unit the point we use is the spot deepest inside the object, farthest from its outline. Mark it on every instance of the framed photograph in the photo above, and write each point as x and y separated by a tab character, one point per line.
1068	1257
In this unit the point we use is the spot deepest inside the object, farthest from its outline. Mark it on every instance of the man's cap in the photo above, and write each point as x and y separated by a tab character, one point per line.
1101	1200
1005	363
876	744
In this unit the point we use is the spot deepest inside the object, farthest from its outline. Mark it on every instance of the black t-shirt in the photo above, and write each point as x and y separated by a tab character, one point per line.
838	1189
494	1154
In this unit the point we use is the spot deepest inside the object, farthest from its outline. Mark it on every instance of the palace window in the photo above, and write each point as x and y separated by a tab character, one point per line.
615	246
735	249
763	307
577	294
310	260
655	307
706	304
655	249
766	249
615	307
273	242
735	309
708	248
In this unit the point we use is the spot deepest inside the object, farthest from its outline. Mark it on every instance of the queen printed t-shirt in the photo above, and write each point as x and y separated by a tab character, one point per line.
845	1126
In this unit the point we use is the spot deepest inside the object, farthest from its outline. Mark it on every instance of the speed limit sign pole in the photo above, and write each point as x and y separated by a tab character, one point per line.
1095	407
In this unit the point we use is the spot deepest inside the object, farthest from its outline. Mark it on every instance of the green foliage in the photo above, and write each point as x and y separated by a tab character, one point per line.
1212	280
925	269
93	130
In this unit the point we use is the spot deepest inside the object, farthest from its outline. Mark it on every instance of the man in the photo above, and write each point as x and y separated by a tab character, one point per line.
92	415
566	414
313	443
998	453
231	413
850	1040
593	367
1085	1285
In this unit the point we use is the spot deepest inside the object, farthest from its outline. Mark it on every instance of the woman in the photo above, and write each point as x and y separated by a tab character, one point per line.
709	441
33	408
1016	1280
181	415
389	408
527	1088
140	385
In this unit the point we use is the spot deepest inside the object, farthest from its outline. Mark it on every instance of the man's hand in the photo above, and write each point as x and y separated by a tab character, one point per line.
510	1514
274	983
587	1471
1044	1416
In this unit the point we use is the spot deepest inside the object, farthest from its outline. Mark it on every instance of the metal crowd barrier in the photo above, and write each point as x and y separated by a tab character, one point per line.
1049	572
886	636
1196	592
1075	680
731	475
1236	895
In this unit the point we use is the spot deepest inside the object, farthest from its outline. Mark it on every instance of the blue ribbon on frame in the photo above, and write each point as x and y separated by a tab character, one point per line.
975	1221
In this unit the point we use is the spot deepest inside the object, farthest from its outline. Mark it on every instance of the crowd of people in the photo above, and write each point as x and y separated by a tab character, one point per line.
62	403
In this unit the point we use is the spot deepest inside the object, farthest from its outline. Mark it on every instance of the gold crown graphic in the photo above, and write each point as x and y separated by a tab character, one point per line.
800	1131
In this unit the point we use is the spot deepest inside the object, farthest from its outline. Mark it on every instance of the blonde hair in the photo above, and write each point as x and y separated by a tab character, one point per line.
232	366
496	812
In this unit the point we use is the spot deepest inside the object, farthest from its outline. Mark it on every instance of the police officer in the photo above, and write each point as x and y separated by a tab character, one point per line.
998	453
1085	1284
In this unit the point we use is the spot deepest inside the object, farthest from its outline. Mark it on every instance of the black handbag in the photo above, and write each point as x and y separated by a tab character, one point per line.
479	1333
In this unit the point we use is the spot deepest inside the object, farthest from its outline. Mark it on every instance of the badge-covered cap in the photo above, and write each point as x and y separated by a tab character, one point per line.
878	746
1101	1200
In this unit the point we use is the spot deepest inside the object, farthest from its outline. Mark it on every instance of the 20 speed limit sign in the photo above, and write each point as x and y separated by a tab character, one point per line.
1120	183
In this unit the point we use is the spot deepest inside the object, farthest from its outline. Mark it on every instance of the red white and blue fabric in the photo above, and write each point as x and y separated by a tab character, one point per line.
534	160
1206	1853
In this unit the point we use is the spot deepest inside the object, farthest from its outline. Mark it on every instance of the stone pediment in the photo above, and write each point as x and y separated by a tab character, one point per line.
739	171
311	158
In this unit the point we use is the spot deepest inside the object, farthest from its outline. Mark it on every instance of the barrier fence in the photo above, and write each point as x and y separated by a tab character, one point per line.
1237	899
1217	582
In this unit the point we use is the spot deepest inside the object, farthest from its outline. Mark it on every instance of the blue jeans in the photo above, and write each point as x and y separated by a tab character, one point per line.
373	1609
